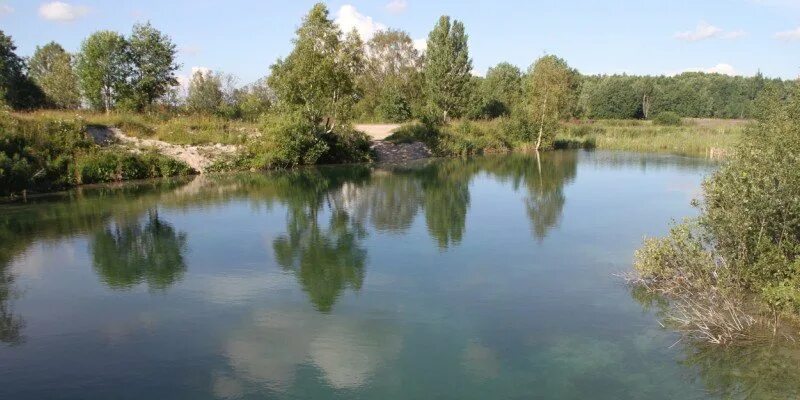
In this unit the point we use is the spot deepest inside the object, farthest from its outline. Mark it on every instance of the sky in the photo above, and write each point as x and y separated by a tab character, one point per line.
243	38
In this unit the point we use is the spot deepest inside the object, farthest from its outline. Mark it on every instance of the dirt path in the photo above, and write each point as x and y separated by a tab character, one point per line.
377	131
197	157
392	153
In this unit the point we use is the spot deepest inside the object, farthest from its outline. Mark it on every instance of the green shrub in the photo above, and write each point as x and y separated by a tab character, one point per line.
414	132
393	107
667	118
747	239
286	141
111	165
345	145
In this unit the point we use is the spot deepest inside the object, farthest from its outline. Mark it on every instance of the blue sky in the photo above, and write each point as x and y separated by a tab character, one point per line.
639	37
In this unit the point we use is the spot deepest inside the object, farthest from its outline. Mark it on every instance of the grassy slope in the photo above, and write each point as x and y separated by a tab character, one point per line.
192	129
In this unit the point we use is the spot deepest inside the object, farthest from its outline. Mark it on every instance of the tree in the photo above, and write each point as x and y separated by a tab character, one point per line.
104	68
550	90
15	88
391	82
51	69
254	99
317	77
154	65
447	68
501	89
205	93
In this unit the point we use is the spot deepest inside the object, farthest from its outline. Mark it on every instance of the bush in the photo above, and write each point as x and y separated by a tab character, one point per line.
117	165
667	118
289	140
747	239
393	107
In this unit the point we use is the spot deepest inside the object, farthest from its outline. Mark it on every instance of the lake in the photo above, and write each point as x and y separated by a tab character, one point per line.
491	277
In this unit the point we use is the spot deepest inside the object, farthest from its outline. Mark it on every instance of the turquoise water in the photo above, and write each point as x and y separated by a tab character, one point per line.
465	279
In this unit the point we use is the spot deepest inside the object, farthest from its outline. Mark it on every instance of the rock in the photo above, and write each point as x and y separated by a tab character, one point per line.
391	153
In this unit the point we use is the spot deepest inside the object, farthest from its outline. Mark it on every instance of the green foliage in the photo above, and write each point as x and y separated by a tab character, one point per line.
750	217
667	118
100	166
392	106
501	90
37	154
205	93
16	89
287	140
318	77
447	68
550	96
253	100
153	60
104	68
391	84
691	94
44	154
51	69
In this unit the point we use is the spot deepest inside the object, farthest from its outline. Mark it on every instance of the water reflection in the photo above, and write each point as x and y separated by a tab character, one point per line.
10	324
270	349
764	368
286	330
128	253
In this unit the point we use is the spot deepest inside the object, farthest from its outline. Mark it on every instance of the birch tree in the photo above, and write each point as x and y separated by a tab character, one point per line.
550	88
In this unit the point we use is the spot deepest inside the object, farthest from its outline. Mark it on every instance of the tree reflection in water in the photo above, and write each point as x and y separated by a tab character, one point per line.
326	259
128	253
10	324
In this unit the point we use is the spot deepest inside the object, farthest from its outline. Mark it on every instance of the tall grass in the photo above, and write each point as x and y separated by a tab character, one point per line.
690	138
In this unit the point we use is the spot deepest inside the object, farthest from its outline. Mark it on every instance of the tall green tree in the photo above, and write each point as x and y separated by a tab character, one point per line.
16	89
51	69
550	94
447	68
317	77
205	93
104	68
154	65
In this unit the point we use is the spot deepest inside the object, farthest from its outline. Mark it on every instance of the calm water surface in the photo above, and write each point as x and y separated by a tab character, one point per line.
464	279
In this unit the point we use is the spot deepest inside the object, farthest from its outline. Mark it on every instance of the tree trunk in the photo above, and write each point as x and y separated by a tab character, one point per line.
541	124
106	100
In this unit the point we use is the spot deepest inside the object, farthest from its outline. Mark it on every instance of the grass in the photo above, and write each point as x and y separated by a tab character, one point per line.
692	137
180	129
695	137
45	153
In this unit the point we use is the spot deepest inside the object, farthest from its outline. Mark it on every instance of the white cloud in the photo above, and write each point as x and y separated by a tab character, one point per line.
789	36
349	18
721	68
62	12
5	9
397	6
421	45
704	30
733	34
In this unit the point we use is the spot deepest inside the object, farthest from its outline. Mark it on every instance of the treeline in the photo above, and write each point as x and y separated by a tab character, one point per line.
391	81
